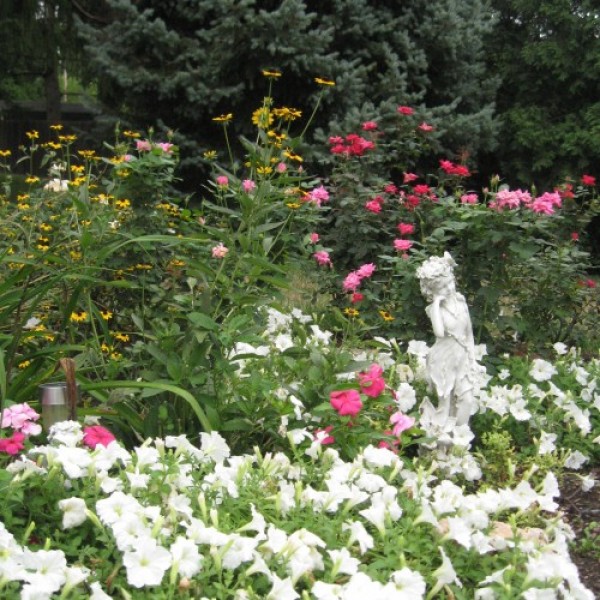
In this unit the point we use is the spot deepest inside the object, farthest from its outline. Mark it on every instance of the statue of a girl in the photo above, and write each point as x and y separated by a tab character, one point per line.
451	360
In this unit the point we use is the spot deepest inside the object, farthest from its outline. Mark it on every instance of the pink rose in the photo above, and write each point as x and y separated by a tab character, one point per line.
406	228
166	147
143	145
371	382
322	257
402	245
588	180
369	126
373	206
318	195
468	199
405	110
351	282
346	402
96	435
401	422
219	251
314	238
366	270
222	180
425	127
356	297
408	177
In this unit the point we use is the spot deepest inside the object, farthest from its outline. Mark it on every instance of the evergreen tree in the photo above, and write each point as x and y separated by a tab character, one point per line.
176	64
548	55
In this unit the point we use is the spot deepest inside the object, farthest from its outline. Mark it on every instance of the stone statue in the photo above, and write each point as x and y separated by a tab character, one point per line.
451	364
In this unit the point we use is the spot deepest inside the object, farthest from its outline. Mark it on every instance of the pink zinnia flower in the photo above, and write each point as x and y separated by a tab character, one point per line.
346	402
12	445
406	228
366	270
248	185
222	180
371	382
468	199
588	180
219	251
351	282
369	126
96	435
143	145
401	423
405	110
322	258
402	245
314	238
281	167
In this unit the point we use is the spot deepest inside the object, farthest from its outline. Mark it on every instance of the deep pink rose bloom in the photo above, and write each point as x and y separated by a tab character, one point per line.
426	127
371	382
12	445
408	177
405	110
401	423
351	282
356	297
314	238
575	236
390	188
346	402
406	228
402	245
366	270
422	188
588	180
166	147
373	206
97	435
322	257
369	126
319	195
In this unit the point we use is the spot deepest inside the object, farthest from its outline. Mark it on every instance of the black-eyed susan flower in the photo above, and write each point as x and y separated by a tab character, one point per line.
292	156
351	312
262	117
386	316
67	139
271	73
33	134
106	314
287	114
24	364
122	204
5	153
324	81
87	153
56	127
78	316
293	205
121	337
210	154
224	118
32	179
131	134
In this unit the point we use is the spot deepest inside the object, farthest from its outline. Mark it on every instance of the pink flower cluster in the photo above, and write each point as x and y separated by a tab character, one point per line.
21	417
351	145
322	257
375	204
147	145
348	402
219	251
513	199
12	445
400	244
451	169
354	278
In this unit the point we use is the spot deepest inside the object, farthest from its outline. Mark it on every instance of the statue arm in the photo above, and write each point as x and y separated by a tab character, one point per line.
435	315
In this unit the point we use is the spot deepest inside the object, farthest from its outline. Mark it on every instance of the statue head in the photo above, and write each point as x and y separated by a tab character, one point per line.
436	276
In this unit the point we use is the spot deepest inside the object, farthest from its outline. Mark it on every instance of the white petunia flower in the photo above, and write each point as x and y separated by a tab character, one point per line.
65	433
327	591
575	460
283	589
358	534
147	564
547	443
214	447
444	574
343	562
185	556
98	593
411	583
74	512
406	397
560	348
45	570
542	370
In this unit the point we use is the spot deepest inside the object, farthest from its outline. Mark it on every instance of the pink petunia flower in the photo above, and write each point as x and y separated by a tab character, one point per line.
371	382
323	435
401	423
12	445
346	402
96	435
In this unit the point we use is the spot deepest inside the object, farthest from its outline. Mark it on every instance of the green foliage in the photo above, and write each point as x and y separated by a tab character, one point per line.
206	58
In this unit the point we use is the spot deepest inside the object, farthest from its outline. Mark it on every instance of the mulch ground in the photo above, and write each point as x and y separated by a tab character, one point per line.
582	512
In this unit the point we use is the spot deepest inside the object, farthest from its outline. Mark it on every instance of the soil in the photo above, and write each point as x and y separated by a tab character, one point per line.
582	512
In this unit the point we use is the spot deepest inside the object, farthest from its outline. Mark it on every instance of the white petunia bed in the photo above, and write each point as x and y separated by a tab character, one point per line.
170	520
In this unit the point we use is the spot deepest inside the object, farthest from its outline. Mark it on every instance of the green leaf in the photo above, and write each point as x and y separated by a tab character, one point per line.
203	321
